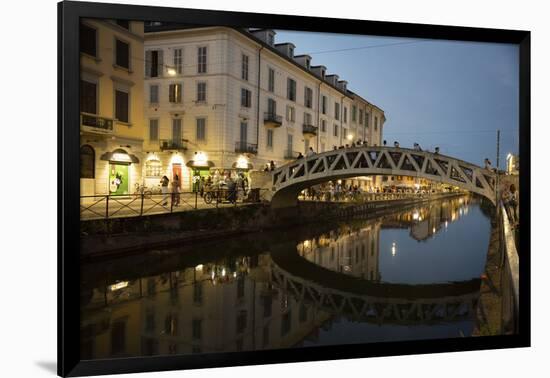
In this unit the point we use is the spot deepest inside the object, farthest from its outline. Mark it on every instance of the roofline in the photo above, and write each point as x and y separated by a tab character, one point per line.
249	35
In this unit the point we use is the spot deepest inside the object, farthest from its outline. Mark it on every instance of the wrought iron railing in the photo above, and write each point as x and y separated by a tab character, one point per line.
108	206
172	144
309	129
273	119
96	122
244	147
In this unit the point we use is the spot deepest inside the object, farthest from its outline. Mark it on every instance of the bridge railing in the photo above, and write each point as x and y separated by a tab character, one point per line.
510	273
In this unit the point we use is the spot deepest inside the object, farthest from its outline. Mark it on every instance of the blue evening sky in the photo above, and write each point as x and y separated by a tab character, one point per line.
450	94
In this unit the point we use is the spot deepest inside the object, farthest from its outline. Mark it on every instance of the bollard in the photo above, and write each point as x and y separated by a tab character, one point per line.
141	209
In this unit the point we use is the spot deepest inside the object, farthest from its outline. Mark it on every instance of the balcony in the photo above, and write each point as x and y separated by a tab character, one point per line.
96	124
309	130
172	145
291	155
246	148
272	120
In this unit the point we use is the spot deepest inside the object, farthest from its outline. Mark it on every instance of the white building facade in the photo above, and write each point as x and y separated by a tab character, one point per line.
225	99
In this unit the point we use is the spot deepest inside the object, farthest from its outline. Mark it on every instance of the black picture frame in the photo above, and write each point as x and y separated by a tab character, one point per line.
69	14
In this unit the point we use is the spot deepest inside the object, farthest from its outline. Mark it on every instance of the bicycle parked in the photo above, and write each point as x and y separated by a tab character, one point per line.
146	191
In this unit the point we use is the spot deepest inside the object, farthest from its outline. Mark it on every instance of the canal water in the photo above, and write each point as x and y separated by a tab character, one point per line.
407	275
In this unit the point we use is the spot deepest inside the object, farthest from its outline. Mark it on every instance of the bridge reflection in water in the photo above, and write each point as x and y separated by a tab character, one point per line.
395	277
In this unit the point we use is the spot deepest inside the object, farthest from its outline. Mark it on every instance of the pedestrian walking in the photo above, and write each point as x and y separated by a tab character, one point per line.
164	187
310	152
176	190
272	165
385	142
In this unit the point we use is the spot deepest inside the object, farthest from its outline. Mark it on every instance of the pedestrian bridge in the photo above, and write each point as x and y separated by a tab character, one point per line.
290	179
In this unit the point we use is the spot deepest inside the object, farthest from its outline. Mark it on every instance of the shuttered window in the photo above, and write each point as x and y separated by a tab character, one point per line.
121	106
153	130
175	92
178	60
291	89
201	129
122	54
201	92
88	41
246	98
88	97
202	60
154	94
244	67
153	63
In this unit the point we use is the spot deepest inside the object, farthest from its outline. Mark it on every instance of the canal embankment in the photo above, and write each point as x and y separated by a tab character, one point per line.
108	238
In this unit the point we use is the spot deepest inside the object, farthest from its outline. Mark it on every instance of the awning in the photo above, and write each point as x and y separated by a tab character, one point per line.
237	165
120	156
205	165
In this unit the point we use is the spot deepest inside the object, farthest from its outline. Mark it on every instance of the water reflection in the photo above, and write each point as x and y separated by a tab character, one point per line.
388	278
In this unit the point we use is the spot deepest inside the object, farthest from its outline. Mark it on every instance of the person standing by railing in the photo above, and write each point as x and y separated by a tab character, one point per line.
176	191
164	187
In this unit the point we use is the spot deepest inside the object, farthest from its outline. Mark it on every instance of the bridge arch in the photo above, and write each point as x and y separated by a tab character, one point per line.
290	179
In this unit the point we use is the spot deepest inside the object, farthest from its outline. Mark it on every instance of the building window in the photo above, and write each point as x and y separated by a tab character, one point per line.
324	105
307	119
196	329
153	130
153	63
335	130
122	54
308	97
354	113
175	93
323	125
201	129
153	168
154	94
88	40
87	162
271	107
344	133
121	106
244	67
291	89
375	123
271	80
270	138
290	113
244	133
360	116
201	92
177	134
124	23
88	97
178	61
202	60
345	114
246	98
366	119
336	110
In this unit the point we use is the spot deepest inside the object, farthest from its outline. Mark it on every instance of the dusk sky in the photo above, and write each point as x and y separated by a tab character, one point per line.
454	95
